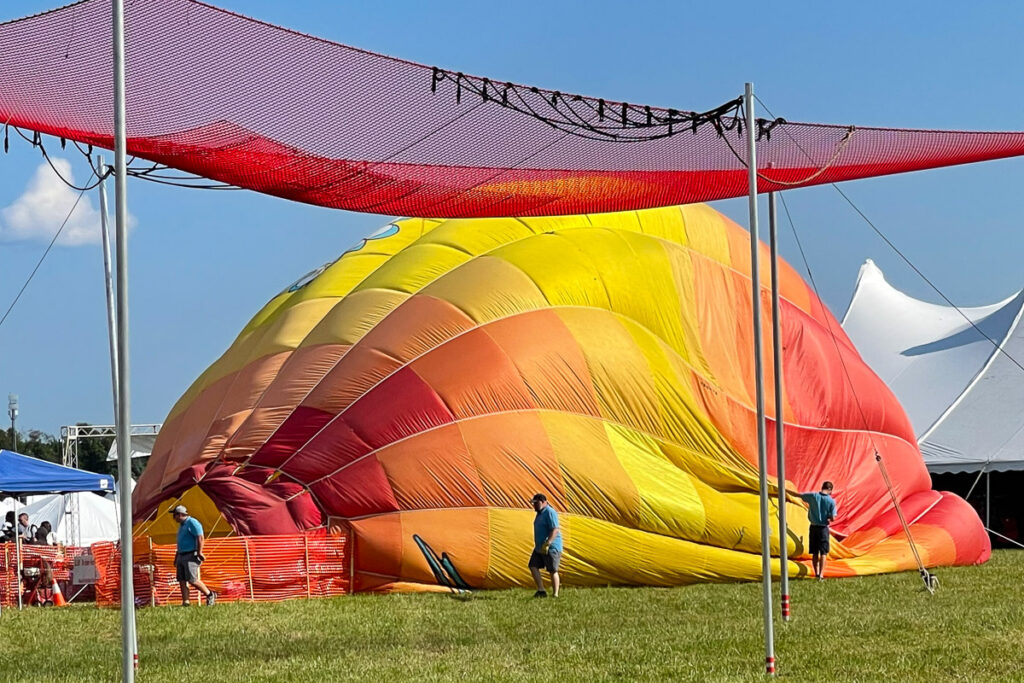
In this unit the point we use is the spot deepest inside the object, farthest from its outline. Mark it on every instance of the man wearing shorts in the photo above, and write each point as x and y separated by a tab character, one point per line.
190	555
821	510
547	545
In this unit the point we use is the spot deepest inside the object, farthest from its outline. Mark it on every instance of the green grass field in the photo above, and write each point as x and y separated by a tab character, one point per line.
867	629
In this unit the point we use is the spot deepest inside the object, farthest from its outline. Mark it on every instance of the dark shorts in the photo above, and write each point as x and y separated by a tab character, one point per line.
186	567
549	560
819	540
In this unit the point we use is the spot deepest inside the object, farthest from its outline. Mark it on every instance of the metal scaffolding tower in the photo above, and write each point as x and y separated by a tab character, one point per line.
70	435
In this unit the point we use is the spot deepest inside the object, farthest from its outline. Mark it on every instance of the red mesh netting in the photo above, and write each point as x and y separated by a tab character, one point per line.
268	109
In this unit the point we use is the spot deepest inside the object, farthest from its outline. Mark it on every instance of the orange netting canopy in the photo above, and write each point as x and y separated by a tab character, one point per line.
261	107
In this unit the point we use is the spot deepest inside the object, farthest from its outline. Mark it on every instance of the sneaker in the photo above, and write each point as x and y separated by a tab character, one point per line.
821	578
211	599
540	594
186	604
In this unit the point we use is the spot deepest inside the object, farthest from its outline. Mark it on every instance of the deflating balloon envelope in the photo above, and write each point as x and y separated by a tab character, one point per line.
438	374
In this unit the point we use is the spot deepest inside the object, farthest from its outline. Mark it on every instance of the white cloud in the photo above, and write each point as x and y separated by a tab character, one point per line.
44	204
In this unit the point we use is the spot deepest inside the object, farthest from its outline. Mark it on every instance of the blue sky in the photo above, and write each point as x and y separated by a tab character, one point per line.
203	262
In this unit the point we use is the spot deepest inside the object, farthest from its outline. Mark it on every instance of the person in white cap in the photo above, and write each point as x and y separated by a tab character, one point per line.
190	555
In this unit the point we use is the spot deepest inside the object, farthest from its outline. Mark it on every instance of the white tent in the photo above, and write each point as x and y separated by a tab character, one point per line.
97	516
964	397
142	446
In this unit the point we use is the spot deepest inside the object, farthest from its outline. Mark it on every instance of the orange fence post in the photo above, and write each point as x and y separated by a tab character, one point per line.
5	588
305	538
248	570
151	563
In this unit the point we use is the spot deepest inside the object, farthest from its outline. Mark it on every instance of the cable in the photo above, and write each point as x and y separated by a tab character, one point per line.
892	246
929	579
626	123
917	270
43	257
153	173
37	141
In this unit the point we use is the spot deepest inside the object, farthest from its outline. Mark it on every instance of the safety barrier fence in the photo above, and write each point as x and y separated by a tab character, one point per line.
249	568
59	559
240	568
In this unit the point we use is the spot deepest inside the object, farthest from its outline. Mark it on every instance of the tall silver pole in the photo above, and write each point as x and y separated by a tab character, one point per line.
762	453
17	553
109	282
779	417
123	420
12	410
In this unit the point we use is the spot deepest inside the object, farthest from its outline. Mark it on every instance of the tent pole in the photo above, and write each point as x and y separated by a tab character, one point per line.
108	281
988	497
129	657
762	454
976	480
780	452
17	551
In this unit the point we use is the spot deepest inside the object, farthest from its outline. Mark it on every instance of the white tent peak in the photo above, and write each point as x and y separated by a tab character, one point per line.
963	395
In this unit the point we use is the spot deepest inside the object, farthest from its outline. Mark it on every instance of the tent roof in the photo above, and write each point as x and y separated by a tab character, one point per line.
142	446
23	474
962	396
95	517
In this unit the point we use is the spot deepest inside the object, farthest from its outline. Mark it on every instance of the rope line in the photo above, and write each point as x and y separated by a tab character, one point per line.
155	173
618	122
998	347
43	257
899	253
925	574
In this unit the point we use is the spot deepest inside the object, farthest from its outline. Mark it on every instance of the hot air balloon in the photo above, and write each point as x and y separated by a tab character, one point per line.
435	377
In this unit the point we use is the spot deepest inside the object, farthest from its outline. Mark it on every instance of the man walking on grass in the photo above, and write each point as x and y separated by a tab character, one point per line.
821	510
190	555
547	545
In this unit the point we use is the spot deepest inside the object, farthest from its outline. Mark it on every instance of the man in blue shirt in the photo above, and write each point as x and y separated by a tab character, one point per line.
190	555
547	545
821	510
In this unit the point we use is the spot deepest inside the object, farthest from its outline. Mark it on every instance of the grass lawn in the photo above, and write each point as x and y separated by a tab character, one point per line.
866	629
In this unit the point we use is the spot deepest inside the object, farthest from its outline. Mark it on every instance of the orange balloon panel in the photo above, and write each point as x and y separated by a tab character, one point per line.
429	382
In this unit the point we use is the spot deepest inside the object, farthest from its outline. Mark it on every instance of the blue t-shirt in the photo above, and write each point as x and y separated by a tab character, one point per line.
189	532
543	524
820	508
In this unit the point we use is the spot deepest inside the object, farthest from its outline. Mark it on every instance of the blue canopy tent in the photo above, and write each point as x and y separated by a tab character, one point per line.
24	475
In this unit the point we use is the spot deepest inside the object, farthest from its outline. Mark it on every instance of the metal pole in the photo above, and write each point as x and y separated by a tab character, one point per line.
762	453
780	451
129	657
108	281
12	410
988	497
17	549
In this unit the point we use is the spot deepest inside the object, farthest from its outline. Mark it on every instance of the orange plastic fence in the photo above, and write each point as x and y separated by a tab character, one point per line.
60	558
248	568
